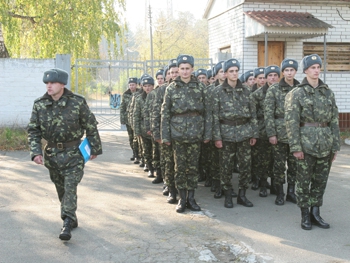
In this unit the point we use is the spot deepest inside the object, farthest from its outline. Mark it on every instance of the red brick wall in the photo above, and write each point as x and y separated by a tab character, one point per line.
344	121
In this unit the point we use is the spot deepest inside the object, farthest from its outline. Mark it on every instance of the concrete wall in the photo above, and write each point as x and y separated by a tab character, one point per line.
227	28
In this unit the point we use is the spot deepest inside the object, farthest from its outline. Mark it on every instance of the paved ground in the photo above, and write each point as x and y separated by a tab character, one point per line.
124	218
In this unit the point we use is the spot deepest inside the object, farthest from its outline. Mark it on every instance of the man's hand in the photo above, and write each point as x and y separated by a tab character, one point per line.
299	155
273	140
252	141
159	141
38	159
206	141
149	133
335	155
167	143
218	144
93	157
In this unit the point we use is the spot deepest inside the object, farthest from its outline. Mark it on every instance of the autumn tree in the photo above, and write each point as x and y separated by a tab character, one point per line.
41	29
174	36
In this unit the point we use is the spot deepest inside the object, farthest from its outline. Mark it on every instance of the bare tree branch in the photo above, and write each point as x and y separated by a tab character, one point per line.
30	18
342	16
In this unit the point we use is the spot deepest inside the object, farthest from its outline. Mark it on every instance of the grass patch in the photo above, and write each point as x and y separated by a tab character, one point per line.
13	139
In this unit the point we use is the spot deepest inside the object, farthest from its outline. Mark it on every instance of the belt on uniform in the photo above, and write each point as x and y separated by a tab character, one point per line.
234	123
187	114
314	124
63	145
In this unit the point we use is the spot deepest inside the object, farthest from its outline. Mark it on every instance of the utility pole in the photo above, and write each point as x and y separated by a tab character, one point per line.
151	39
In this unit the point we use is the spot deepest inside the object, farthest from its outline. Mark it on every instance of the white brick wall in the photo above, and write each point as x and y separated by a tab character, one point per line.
227	29
20	84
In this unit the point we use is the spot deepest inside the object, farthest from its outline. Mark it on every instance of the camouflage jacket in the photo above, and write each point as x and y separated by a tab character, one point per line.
131	108
274	110
210	99
139	115
254	88
258	98
63	121
126	100
184	114
148	109
233	104
306	104
156	109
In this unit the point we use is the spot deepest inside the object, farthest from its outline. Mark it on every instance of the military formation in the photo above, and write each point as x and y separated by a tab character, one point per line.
263	126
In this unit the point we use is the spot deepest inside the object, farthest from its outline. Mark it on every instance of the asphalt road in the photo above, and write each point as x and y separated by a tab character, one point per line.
123	217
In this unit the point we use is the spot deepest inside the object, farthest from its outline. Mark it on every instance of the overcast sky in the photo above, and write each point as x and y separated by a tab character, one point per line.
135	9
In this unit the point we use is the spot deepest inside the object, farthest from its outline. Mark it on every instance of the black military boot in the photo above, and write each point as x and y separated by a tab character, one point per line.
172	195
219	190
66	229
228	198
137	160
316	219
305	219
263	189
150	170
132	158
202	176
280	195
208	181
273	190
191	203
291	197
242	199
166	190
159	178
255	183
146	167
142	163
214	184
75	223
181	206
233	193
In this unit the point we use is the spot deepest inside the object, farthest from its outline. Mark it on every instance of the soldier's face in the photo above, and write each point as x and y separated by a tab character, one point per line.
289	73
203	79
260	80
185	71
168	76
272	78
313	72
174	72
232	74
132	87
212	80
160	80
250	81
221	75
55	89
147	88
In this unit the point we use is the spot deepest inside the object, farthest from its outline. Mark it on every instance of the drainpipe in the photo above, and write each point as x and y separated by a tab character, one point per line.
324	57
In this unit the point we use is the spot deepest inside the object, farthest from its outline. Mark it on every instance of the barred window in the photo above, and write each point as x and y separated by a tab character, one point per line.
338	54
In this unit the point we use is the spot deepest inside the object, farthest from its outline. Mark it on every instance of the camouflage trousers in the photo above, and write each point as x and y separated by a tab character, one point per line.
131	136
227	154
147	148
139	145
311	180
205	159
263	160
215	160
155	154
281	155
186	156
168	164
255	163
66	170
135	145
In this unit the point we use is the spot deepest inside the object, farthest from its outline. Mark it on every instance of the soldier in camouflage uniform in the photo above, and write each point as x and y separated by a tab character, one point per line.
210	77
234	132
248	78
139	116
312	123
185	124
262	146
126	100
167	154
61	118
276	131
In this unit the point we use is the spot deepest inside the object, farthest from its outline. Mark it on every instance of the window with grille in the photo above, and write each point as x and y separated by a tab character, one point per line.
338	54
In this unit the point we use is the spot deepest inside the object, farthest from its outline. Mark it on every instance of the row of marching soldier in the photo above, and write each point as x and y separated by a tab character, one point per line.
204	125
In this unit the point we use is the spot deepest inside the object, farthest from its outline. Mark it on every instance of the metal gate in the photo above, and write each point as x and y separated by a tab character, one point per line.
103	81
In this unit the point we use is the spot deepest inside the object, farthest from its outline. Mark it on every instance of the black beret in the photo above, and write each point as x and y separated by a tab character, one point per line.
201	71
147	80
132	80
289	63
272	69
56	75
209	73
217	67
185	59
172	63
258	71
232	62
310	60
